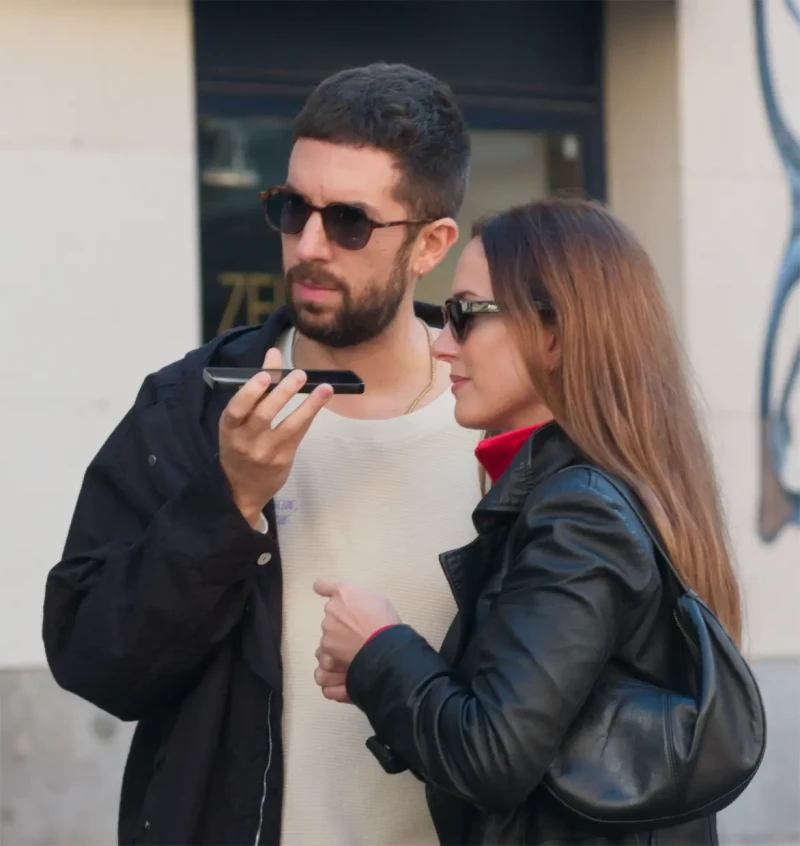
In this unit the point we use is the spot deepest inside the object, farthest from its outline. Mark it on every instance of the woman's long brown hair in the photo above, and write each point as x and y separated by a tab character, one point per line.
620	390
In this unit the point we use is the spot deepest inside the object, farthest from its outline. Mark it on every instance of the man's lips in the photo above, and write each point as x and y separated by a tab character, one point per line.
311	291
458	382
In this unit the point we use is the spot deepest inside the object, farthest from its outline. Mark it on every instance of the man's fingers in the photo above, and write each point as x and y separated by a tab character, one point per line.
273	359
280	395
299	421
245	400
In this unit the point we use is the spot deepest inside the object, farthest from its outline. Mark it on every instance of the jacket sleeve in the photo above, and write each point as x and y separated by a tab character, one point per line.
567	599
147	586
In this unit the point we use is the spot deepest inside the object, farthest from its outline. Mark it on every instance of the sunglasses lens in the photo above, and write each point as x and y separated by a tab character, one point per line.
347	226
455	317
287	212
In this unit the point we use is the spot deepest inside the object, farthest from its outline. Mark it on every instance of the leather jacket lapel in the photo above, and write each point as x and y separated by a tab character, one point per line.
547	451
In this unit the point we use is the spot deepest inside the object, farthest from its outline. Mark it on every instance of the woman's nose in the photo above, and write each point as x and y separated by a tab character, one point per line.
445	347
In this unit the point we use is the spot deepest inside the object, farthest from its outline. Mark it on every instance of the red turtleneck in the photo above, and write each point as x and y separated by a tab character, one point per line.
497	452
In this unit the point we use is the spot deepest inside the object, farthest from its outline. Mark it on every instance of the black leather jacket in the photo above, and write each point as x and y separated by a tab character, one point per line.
557	587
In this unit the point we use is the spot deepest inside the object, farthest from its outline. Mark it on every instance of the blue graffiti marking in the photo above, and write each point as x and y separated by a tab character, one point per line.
779	506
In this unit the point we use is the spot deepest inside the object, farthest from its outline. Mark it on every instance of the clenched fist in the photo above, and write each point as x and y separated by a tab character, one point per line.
352	615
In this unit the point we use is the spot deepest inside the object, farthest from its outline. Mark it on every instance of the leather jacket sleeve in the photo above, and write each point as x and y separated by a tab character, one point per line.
569	596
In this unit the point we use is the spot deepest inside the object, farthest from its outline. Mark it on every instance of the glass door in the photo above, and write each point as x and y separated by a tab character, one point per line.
508	167
240	256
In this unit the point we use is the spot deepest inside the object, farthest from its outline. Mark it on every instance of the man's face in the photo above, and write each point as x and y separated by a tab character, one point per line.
343	297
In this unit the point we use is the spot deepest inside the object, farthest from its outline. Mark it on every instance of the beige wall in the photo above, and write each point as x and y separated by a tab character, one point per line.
641	115
736	218
694	169
98	265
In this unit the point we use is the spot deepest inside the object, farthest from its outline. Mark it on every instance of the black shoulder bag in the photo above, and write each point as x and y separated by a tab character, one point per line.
643	757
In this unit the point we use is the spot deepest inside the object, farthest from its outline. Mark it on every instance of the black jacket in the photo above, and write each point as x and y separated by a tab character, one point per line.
160	612
561	582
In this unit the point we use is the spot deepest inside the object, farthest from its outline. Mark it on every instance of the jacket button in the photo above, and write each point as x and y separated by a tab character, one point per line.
264	558
146	824
151	460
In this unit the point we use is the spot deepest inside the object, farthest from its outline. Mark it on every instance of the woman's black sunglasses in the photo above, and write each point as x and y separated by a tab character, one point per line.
346	225
459	314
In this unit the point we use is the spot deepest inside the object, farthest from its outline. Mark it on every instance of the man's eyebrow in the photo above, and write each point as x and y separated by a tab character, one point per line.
466	295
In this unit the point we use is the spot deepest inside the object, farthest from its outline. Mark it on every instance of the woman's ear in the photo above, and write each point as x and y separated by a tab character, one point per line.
552	347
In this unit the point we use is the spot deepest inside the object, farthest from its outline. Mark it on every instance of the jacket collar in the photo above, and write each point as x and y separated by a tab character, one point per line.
547	451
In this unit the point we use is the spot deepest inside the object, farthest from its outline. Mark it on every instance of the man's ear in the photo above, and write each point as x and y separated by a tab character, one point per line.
433	244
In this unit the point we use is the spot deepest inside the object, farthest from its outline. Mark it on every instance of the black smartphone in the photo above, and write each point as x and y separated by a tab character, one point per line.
232	378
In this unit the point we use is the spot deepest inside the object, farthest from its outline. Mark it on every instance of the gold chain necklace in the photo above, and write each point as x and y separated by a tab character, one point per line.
431	379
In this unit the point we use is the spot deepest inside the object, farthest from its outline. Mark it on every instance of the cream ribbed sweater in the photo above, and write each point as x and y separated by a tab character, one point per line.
375	502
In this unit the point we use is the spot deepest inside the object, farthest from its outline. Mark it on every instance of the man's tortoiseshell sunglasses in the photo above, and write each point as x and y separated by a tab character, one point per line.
346	225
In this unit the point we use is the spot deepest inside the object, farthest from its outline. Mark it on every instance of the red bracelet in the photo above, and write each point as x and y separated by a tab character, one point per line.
378	631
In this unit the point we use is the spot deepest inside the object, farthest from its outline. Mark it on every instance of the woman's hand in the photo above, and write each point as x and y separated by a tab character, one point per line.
352	615
331	676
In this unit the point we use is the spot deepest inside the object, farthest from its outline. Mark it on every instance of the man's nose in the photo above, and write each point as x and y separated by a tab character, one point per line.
313	243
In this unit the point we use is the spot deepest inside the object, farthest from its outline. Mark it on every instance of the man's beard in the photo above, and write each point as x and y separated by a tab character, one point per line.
357	319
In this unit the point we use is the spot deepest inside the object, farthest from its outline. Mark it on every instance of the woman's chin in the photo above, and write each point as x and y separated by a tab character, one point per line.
470	418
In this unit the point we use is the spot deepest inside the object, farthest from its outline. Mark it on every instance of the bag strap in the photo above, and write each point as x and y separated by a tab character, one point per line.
678	582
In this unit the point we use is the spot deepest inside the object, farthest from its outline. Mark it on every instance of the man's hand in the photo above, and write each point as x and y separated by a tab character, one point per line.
255	457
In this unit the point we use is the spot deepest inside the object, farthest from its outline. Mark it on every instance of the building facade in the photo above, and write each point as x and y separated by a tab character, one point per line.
134	136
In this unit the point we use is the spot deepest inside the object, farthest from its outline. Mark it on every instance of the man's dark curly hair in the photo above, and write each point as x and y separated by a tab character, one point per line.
405	112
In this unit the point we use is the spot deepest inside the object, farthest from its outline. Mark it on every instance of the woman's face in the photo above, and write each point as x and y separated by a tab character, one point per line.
491	384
